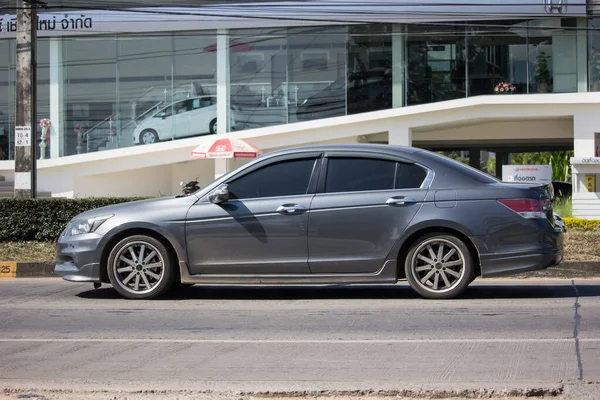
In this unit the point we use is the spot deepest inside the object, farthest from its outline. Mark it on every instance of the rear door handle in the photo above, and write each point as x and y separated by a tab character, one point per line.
290	208
400	200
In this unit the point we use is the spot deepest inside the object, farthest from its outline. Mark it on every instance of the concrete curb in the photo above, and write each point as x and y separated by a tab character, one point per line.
568	269
27	269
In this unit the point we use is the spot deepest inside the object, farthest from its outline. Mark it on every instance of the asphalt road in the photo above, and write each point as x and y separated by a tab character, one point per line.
504	334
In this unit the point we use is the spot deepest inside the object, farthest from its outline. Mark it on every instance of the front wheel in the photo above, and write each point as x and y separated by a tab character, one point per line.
439	266
140	267
212	127
148	136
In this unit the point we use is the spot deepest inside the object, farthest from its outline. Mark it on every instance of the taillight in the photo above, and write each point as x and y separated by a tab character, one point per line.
526	208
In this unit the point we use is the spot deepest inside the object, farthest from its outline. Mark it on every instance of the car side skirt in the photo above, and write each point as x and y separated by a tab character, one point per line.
387	274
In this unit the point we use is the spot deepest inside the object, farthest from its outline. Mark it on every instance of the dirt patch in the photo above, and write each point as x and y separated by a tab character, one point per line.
582	246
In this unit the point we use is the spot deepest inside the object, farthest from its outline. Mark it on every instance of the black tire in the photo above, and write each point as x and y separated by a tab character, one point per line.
149	132
455	267
212	127
177	287
119	270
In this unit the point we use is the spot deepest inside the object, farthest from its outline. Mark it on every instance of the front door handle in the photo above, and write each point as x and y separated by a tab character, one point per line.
399	200
290	208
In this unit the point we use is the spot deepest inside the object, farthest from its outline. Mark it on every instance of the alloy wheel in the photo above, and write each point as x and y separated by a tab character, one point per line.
138	267
438	265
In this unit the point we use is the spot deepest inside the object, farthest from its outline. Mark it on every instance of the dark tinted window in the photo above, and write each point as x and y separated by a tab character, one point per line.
286	178
410	176
358	174
466	170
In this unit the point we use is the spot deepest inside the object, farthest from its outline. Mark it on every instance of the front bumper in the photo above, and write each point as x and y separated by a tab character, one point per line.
78	258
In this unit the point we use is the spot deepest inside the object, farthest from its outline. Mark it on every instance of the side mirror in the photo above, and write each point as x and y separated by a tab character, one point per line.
219	195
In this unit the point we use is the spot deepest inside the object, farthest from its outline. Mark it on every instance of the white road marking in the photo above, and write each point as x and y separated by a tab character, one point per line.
297	341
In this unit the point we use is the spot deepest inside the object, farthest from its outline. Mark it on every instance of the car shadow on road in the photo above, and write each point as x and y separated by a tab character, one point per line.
480	291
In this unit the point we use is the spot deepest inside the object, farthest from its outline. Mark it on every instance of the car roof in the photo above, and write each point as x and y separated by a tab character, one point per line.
359	147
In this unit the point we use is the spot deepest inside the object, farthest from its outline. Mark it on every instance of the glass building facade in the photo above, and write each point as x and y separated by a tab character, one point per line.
120	90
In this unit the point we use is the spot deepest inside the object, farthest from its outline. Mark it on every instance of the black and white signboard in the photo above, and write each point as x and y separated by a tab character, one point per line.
23	136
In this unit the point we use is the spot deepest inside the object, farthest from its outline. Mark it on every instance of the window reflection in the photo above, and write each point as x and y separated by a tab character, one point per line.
435	63
114	91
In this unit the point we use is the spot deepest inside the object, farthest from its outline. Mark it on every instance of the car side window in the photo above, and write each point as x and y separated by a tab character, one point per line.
410	176
286	178
359	174
182	106
165	112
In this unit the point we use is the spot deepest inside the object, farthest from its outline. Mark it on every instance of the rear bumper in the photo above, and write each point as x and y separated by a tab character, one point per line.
544	250
493	265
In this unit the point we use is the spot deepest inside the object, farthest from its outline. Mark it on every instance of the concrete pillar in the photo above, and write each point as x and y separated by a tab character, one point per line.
57	114
582	55
475	158
399	135
585	124
398	64
222	166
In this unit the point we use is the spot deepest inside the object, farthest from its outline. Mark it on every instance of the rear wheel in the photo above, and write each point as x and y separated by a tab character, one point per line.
439	266
212	127
140	267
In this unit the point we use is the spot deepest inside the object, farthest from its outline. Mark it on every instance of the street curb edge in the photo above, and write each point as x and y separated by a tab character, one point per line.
567	269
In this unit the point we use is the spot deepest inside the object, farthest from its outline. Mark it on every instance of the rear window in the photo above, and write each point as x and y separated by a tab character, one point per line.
467	170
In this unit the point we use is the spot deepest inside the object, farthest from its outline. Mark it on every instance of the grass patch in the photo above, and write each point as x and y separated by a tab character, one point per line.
564	207
579	246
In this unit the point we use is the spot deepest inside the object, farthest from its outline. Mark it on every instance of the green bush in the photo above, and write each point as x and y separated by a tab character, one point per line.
44	219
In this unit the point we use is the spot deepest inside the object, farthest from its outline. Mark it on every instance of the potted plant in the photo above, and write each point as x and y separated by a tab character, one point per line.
542	73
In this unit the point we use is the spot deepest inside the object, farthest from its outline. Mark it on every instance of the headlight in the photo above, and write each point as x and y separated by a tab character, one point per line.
81	226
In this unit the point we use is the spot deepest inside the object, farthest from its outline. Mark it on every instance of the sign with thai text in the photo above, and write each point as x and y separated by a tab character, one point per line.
527	173
288	13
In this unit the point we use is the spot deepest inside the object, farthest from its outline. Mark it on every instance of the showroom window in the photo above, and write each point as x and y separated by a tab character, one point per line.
594	55
435	63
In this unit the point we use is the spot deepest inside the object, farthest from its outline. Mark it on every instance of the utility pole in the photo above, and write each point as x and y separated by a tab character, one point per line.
26	94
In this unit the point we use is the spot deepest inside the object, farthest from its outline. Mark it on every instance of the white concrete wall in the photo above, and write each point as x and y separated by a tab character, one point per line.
157	169
548	128
202	170
152	181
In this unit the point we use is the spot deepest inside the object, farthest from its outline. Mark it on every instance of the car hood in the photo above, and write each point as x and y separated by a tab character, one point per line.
133	207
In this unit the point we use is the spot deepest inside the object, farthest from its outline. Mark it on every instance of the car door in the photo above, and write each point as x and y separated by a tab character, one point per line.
181	118
204	110
263	228
362	206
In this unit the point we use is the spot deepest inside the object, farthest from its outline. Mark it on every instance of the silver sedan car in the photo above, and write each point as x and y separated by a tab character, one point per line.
345	214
